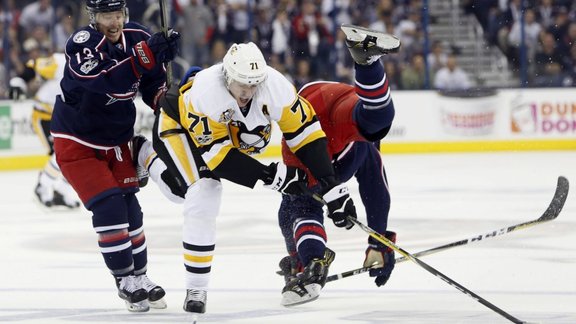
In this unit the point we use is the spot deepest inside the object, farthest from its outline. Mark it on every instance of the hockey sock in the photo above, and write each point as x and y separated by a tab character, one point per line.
310	238
375	111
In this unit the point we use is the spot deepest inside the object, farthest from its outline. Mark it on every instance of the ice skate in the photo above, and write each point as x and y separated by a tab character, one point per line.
195	301
53	192
45	195
155	293
289	267
136	298
366	45
136	145
307	285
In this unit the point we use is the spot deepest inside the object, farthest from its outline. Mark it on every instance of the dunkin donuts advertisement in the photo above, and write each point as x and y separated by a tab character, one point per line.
530	115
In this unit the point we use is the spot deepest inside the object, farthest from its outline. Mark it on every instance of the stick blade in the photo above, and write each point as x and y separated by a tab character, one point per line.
557	203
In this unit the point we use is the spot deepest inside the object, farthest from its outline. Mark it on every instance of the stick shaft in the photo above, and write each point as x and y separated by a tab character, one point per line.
164	29
382	239
551	213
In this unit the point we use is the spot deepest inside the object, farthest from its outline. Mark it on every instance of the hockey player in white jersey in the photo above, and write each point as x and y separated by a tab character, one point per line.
207	130
52	189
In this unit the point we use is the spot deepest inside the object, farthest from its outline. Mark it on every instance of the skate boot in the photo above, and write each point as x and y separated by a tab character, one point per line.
307	285
44	195
366	45
60	200
289	267
155	293
137	142
195	301
136	298
64	195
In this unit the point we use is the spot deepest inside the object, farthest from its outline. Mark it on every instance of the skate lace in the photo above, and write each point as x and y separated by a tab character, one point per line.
129	284
196	295
146	283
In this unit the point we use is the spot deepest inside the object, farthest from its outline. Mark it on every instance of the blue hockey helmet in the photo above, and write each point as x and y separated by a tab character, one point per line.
96	6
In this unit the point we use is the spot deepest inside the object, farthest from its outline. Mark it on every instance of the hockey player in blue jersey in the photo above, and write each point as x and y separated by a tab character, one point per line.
355	119
107	63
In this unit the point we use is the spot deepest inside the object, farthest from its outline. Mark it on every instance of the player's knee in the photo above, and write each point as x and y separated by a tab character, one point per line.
109	212
374	124
202	201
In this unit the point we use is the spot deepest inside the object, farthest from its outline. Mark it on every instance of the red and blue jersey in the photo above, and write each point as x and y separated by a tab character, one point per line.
99	86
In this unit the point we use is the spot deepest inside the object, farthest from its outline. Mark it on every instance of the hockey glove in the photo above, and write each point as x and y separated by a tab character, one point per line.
285	179
381	258
143	56
165	48
339	203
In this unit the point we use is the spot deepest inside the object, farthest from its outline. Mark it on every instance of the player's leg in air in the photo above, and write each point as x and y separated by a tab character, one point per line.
373	114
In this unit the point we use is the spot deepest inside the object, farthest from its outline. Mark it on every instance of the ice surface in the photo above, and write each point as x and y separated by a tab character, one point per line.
51	270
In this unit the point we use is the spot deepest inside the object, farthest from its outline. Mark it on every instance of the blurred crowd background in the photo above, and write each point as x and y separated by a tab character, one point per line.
476	43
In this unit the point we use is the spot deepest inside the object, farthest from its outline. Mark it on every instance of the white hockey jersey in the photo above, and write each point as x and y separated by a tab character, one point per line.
216	123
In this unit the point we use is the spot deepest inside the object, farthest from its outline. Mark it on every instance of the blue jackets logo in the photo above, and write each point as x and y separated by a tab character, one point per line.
81	37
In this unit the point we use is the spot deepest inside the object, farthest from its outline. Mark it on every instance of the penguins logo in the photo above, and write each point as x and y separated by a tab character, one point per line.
249	141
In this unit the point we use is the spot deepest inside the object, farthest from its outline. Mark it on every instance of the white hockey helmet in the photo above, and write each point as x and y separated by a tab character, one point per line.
244	63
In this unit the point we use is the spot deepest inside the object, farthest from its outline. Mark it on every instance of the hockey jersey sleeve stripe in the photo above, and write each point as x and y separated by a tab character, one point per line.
310	134
177	146
310	123
216	155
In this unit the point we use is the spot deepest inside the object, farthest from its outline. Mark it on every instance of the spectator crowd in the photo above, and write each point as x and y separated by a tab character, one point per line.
302	38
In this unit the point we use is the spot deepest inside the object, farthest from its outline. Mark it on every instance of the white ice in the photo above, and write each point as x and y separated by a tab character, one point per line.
52	272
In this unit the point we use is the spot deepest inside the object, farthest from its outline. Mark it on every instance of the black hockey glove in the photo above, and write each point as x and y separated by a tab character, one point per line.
165	48
339	203
381	257
285	179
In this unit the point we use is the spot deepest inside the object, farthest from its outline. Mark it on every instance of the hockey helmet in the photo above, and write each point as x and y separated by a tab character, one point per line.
96	6
244	63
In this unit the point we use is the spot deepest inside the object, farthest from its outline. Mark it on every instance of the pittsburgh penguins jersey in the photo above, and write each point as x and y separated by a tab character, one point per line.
51	69
99	85
220	128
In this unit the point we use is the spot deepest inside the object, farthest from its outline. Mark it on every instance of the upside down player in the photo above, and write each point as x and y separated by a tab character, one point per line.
354	119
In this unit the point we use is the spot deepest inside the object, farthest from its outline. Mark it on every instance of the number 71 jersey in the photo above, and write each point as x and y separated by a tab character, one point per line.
218	125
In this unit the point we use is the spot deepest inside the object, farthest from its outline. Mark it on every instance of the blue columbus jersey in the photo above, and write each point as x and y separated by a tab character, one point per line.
99	86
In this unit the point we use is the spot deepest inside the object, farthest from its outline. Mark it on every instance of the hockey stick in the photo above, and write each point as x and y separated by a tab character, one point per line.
382	239
164	29
553	210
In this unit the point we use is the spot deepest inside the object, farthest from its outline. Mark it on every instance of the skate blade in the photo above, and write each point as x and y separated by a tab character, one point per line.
193	317
158	304
290	298
139	307
53	208
387	42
